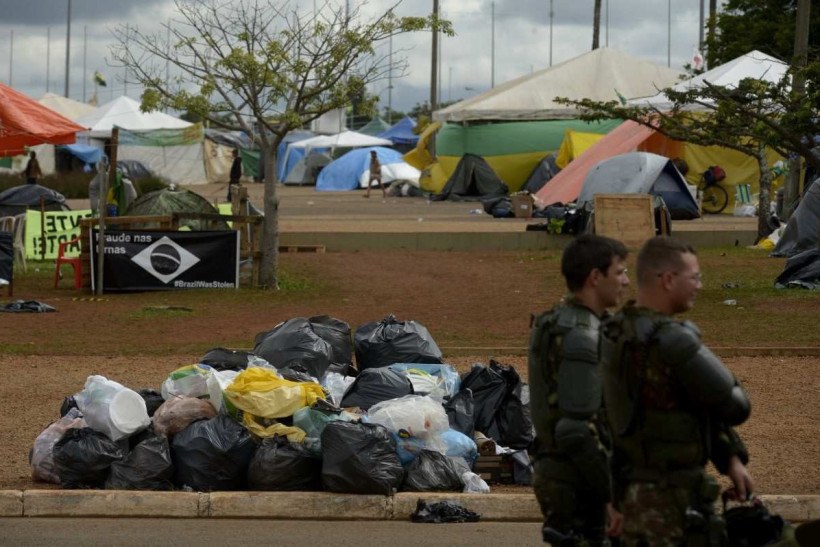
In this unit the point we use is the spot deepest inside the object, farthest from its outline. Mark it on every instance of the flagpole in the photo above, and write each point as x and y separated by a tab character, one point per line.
85	54
67	48
48	57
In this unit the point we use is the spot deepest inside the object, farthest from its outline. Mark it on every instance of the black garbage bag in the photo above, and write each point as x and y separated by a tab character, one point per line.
153	400
443	512
489	389
294	343
226	359
502	404
514	420
68	403
83	458
359	458
336	333
375	385
282	465
212	455
432	471
392	341
460	410
147	467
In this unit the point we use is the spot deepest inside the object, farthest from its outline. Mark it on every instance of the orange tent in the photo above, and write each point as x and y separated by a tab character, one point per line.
25	122
627	137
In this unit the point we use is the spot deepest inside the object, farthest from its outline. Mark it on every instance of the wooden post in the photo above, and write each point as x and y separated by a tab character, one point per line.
43	228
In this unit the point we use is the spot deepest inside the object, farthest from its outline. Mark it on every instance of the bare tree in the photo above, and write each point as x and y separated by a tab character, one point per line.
267	67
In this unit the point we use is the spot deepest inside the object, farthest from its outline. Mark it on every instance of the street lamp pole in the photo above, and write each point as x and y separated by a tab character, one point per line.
492	46
551	15
67	49
434	65
390	83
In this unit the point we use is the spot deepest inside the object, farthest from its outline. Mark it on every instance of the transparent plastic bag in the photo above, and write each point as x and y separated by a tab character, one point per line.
474	484
419	416
42	454
111	408
198	381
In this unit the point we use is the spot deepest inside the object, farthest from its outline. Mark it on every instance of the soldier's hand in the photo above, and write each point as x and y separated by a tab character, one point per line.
615	521
741	479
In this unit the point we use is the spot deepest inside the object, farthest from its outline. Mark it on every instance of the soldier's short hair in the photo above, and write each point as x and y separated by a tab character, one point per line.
659	254
586	253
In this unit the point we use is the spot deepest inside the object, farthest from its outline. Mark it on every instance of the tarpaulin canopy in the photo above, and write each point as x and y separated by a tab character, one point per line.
345	139
24	122
402	132
352	170
124	112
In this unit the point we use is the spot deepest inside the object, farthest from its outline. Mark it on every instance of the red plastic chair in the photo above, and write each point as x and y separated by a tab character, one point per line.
75	263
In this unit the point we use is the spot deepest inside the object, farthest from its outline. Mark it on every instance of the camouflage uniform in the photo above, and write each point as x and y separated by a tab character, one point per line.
670	405
571	477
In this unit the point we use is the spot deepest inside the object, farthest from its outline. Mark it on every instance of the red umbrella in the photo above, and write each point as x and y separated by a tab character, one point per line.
25	122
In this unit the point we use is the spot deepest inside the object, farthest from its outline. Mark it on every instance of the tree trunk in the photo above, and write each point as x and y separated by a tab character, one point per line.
269	267
765	197
791	192
596	24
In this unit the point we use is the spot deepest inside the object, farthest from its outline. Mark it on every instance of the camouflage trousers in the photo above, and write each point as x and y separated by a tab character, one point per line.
568	507
664	513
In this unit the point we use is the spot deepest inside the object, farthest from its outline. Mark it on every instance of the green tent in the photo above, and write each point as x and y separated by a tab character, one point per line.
167	201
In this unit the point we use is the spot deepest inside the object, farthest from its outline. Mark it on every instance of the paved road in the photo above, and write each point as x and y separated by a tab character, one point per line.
131	532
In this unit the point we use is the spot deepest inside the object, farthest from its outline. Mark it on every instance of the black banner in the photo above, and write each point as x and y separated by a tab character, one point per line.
156	261
6	258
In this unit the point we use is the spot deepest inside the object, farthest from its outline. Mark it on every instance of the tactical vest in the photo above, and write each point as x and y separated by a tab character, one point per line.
652	428
546	352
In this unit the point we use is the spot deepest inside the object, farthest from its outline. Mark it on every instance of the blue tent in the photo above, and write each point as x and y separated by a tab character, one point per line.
343	173
89	154
401	132
285	161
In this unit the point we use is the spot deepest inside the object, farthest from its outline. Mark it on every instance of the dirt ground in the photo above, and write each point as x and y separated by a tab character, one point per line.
465	299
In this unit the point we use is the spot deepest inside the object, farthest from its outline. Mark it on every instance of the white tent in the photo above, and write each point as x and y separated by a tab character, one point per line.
69	108
600	74
125	112
172	148
345	139
752	65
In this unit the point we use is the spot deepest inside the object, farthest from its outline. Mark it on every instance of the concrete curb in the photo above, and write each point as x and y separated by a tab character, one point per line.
301	505
460	351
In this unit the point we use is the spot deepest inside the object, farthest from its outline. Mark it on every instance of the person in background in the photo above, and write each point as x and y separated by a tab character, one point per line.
375	174
32	171
571	470
671	405
236	172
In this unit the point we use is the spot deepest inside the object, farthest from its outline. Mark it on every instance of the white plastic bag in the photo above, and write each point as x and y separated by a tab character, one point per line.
111	408
42	455
419	416
474	483
199	381
335	385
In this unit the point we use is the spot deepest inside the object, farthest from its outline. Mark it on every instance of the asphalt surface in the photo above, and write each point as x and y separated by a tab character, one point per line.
241	532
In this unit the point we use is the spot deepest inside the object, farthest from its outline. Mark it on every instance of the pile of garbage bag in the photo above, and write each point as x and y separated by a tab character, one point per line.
295	414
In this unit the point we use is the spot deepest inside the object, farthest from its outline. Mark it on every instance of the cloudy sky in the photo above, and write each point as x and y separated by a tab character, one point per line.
522	41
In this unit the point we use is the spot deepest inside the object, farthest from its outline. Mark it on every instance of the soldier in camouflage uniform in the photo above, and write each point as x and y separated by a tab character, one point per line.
571	478
671	405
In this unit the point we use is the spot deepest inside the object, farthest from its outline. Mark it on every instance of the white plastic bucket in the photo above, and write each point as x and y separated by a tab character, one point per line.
111	408
127	411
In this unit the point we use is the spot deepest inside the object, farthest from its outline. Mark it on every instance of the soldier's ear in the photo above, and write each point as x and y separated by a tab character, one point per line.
594	277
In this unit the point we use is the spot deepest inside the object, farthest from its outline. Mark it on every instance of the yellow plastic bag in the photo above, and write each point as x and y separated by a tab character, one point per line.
262	393
294	434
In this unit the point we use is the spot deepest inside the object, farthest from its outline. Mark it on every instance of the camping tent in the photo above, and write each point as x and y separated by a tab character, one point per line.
803	230
402	132
306	168
641	173
16	200
24	122
374	127
352	170
754	64
345	139
600	74
170	147
473	180
218	147
513	125
167	201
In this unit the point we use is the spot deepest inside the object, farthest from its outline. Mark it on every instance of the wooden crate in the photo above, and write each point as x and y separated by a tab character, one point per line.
627	217
494	469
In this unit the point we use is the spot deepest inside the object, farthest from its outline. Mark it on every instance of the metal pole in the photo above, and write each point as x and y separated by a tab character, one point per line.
700	28
390	83
67	48
551	15
11	59
450	84
606	23
434	65
492	46
85	56
669	34
48	57
125	68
